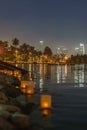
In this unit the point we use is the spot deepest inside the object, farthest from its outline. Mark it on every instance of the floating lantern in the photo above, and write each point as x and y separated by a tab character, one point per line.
29	86
45	101
24	84
30	90
31	83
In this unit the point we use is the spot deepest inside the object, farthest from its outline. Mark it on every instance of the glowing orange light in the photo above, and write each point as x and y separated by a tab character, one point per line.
45	101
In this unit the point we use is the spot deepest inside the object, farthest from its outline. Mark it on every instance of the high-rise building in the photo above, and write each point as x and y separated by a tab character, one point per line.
82	49
62	50
41	46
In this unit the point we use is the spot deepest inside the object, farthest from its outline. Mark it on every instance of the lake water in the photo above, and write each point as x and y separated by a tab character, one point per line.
67	84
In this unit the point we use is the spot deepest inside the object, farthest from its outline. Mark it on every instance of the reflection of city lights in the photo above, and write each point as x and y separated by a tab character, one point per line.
79	75
58	75
41	83
66	70
41	77
30	72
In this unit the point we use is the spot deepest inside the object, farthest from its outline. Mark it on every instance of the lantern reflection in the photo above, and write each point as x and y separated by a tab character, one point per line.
46	112
29	98
23	90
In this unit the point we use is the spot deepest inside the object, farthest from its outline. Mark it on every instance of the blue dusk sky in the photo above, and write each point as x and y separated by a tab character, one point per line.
56	22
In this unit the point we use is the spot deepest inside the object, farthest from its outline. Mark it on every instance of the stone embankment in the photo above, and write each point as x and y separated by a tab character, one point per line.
13	115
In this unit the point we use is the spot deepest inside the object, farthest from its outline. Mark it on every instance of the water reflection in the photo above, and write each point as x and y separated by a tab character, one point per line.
66	70
62	71
47	119
30	71
47	71
45	74
46	112
29	98
79	75
41	80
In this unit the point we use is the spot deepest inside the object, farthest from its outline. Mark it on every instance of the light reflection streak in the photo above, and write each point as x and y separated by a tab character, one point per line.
79	75
30	71
58	75
66	70
61	73
41	77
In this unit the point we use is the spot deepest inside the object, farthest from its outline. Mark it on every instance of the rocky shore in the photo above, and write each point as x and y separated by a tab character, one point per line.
13	114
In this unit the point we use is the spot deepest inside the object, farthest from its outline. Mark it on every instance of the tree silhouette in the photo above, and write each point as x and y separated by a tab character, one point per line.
48	51
15	42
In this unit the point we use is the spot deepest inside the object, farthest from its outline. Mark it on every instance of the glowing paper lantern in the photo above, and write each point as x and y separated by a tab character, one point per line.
45	101
29	86
30	90
31	83
24	84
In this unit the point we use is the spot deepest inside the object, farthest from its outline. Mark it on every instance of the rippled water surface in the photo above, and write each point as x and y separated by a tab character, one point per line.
67	84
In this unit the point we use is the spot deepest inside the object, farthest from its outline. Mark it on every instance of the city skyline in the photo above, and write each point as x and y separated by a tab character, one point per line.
56	22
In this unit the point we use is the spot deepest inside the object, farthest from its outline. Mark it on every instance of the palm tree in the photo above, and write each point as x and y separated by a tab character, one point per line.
15	42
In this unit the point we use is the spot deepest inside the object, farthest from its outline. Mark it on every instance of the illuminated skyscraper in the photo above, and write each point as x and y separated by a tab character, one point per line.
41	46
82	49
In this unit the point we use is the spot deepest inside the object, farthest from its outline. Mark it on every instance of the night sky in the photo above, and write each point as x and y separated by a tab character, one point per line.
56	22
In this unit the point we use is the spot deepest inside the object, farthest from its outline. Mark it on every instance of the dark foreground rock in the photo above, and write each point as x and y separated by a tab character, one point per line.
8	80
20	120
6	125
14	113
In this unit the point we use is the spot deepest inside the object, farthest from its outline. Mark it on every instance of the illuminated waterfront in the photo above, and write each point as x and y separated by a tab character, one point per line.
58	74
68	86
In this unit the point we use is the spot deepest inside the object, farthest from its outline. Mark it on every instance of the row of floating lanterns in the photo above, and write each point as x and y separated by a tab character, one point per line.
28	87
12	73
